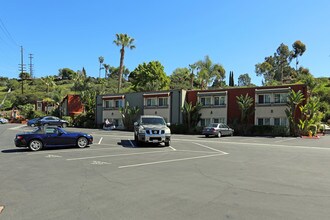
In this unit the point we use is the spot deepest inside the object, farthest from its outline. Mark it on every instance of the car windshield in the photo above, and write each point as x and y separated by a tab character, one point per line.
153	121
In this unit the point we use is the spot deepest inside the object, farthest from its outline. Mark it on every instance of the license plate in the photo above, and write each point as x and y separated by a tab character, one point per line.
154	141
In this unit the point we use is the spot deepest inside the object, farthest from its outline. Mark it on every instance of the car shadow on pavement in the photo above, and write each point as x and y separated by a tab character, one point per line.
15	150
133	144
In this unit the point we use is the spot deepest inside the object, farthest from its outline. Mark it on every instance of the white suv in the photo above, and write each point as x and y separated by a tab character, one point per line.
152	129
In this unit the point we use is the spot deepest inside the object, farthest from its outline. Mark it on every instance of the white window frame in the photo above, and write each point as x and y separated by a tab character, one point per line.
163	101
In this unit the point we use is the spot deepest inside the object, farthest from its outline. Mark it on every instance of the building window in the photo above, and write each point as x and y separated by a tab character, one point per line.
107	104
263	121
280	121
162	101
119	103
205	101
205	122
219	100
219	120
151	102
280	98
264	99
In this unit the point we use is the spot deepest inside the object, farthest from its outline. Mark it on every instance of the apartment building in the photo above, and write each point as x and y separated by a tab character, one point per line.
217	105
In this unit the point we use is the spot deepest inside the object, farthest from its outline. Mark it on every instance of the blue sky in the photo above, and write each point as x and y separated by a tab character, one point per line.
235	33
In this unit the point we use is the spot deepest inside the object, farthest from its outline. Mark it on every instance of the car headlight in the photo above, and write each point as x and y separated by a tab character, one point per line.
167	131
142	130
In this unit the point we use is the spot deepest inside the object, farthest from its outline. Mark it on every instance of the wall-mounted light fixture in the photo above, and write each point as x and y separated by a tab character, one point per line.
111	113
155	112
211	112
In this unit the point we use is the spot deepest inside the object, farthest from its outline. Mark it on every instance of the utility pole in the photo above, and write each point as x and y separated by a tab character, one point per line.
22	69
31	65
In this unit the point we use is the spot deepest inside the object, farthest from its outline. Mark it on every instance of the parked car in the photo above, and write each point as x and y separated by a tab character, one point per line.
52	136
33	122
152	129
217	129
3	120
52	120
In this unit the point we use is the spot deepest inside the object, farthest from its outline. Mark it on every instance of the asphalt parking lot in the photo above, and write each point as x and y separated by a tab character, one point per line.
194	178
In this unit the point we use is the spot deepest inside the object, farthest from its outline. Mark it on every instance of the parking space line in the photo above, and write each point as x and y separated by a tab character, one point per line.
131	143
117	155
100	140
202	145
169	161
172	148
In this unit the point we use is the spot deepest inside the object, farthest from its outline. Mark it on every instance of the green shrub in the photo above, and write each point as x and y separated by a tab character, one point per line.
68	119
270	130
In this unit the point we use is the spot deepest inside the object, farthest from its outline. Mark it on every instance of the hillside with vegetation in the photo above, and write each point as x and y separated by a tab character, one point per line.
278	69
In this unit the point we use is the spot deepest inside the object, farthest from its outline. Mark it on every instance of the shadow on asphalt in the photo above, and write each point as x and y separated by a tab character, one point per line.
133	144
21	150
9	151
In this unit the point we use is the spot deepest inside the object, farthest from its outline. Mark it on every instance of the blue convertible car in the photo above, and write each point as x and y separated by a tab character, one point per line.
53	136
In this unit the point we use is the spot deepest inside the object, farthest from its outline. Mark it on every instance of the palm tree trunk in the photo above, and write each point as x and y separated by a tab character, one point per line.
122	54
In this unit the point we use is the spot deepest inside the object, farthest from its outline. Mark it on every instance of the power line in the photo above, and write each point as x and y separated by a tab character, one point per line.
7	34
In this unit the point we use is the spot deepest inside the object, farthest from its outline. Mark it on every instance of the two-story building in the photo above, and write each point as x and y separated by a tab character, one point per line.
167	104
218	105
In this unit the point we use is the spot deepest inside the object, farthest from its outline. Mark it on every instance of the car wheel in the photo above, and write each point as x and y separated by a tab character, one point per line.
64	125
167	143
82	142
35	145
206	135
219	134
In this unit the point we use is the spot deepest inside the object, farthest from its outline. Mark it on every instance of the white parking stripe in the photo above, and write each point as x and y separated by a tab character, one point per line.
202	145
100	140
172	148
117	155
131	143
169	161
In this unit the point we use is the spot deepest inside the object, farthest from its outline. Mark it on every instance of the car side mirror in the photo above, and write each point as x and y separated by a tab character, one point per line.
136	123
168	124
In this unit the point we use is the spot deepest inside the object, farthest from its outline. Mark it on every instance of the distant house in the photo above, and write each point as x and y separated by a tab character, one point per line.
44	106
71	105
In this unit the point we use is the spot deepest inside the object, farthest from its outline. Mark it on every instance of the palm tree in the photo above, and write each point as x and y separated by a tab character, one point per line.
123	40
245	104
106	69
294	99
192	68
101	60
49	81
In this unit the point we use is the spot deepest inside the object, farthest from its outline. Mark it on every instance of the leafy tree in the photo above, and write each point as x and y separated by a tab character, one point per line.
208	72
66	73
277	67
180	79
129	115
101	60
244	80
149	77
123	40
12	84
23	76
298	50
294	100
245	104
